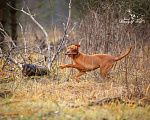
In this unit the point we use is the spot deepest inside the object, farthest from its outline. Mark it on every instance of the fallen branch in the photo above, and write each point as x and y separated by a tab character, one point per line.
34	70
141	103
105	100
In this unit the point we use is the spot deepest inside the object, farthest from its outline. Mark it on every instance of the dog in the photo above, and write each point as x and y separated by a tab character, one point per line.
85	63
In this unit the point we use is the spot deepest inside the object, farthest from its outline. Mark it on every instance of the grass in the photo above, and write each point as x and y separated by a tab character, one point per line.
58	96
44	98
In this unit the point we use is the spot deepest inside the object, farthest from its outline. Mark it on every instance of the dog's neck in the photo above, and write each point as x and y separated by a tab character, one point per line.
76	55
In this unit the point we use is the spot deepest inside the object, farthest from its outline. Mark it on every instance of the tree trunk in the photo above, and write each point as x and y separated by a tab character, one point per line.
3	45
13	22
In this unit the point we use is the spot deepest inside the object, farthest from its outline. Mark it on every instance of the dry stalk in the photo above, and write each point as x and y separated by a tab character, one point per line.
25	43
66	33
12	59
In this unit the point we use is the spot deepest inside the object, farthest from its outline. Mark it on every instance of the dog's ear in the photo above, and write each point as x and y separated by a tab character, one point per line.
77	45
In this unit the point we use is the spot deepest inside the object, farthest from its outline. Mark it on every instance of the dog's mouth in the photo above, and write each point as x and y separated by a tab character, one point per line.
70	54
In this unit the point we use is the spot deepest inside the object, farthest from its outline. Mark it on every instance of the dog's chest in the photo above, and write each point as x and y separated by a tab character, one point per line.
79	61
87	63
83	61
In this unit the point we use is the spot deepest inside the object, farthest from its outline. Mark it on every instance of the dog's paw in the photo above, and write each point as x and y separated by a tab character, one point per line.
61	67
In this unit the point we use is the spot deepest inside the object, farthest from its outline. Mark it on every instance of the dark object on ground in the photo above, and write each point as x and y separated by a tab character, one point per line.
5	94
141	102
145	101
105	100
34	70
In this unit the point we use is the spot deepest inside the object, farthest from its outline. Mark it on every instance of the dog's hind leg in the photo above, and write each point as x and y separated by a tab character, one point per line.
78	75
104	70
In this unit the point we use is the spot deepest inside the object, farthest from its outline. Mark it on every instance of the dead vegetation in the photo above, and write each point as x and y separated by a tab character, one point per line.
58	95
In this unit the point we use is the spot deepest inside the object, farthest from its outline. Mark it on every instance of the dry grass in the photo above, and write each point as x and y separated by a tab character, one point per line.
44	98
49	97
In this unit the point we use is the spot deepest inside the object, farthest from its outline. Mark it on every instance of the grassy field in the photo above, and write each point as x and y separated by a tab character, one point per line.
58	96
44	98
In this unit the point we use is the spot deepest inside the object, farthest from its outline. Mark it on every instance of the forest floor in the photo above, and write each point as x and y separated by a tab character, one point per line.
43	98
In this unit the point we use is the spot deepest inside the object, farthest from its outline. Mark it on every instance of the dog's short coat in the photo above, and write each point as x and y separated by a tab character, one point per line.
85	63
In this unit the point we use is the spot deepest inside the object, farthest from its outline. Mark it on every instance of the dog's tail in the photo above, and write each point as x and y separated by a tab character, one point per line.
119	58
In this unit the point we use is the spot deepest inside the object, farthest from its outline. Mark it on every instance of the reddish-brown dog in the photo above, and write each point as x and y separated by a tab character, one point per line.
85	63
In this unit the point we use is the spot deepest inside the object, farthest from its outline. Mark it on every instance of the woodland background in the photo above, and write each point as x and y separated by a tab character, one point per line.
96	26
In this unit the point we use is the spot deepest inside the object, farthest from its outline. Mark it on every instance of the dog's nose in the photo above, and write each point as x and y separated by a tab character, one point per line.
67	52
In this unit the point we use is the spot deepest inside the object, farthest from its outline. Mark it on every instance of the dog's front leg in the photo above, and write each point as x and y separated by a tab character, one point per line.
78	75
65	66
70	66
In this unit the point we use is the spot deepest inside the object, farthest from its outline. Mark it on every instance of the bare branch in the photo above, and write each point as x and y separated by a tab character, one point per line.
15	62
72	28
8	36
65	34
11	41
40	49
25	43
48	44
42	55
44	31
12	60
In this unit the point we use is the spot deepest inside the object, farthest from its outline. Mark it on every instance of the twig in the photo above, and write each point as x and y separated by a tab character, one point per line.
25	43
72	28
39	62
15	62
11	41
65	34
6	61
5	34
12	60
126	77
42	55
40	49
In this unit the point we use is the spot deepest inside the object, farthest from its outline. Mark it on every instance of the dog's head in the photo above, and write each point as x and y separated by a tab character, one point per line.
72	50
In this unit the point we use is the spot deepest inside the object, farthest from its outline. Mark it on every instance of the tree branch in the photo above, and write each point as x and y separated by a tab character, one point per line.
65	34
44	31
25	43
11	59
